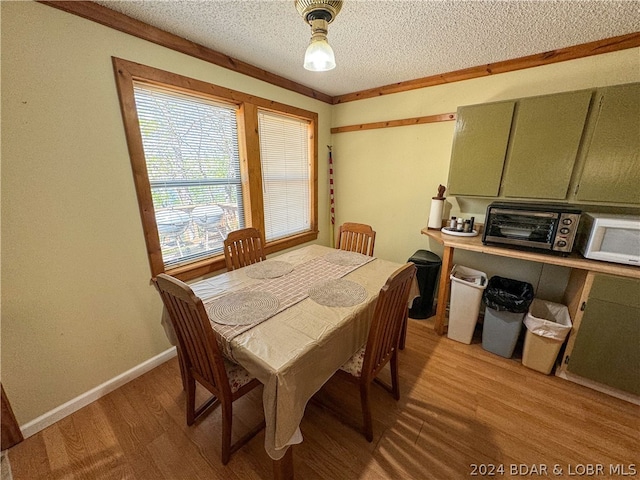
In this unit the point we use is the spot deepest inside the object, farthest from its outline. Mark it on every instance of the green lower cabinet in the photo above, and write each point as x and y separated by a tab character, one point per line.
612	166
614	289
544	145
607	345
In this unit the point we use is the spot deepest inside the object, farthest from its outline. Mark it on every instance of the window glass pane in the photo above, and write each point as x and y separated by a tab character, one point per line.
191	152
286	167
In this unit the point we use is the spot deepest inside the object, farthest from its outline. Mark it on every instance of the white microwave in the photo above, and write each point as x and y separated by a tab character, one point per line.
610	237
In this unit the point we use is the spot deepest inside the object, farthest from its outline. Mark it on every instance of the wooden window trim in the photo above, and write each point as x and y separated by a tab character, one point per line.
126	72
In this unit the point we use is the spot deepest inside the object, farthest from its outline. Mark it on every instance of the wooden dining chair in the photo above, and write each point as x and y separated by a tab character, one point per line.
356	237
202	360
382	342
243	247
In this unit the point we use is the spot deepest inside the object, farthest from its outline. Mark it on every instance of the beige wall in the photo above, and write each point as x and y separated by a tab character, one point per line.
386	177
77	306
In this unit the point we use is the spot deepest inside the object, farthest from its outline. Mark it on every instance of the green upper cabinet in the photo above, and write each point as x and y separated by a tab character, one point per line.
544	144
479	149
581	146
612	165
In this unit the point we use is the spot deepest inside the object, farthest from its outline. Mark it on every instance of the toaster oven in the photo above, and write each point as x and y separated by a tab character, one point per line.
543	227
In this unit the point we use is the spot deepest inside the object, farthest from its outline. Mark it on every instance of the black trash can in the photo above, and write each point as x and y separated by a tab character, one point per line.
507	301
428	267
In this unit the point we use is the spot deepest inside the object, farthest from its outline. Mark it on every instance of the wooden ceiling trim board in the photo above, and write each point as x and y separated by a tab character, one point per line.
118	21
443	117
608	45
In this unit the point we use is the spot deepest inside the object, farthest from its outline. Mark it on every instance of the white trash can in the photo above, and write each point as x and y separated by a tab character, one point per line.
548	325
467	286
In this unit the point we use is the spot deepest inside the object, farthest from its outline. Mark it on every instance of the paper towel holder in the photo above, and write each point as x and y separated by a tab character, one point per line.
437	207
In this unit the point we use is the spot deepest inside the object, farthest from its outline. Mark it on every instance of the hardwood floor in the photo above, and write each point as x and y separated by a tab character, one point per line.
460	406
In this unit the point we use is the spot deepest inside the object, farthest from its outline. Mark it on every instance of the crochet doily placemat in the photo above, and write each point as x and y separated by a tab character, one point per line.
269	269
243	308
338	293
342	257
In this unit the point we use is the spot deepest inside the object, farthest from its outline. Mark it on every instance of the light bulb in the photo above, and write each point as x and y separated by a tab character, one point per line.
319	56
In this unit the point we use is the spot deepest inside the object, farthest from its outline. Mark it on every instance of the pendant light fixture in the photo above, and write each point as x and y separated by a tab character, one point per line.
319	14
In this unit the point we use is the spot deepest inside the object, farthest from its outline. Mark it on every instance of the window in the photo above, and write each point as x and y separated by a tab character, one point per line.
193	164
208	160
284	151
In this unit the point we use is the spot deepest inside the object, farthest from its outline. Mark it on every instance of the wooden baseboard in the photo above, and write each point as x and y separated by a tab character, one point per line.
75	404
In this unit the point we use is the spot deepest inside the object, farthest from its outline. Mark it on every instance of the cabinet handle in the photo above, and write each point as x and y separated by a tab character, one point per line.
583	306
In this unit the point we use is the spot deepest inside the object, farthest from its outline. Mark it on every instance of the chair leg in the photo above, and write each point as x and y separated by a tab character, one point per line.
403	332
227	416
191	399
183	369
366	411
395	387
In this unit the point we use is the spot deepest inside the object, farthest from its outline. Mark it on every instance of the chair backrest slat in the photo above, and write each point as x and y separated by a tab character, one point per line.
243	247
390	311
356	237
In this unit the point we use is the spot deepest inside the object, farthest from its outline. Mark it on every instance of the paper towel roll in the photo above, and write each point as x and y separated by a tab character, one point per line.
435	215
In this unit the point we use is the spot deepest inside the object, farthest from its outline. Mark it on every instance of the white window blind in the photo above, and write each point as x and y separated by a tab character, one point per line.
286	170
191	152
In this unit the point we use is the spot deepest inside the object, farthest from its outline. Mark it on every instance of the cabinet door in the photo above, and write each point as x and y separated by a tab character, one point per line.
546	136
479	148
607	345
612	166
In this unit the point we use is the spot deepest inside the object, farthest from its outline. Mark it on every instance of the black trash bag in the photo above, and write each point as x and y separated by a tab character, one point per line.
507	295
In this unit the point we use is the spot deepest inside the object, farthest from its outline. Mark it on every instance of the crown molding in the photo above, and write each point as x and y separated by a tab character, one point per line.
118	21
123	23
598	47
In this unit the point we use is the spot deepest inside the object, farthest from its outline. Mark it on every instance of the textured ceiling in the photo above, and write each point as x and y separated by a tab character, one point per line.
380	42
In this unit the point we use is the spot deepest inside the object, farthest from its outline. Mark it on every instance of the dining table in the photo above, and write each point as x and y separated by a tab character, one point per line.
291	321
